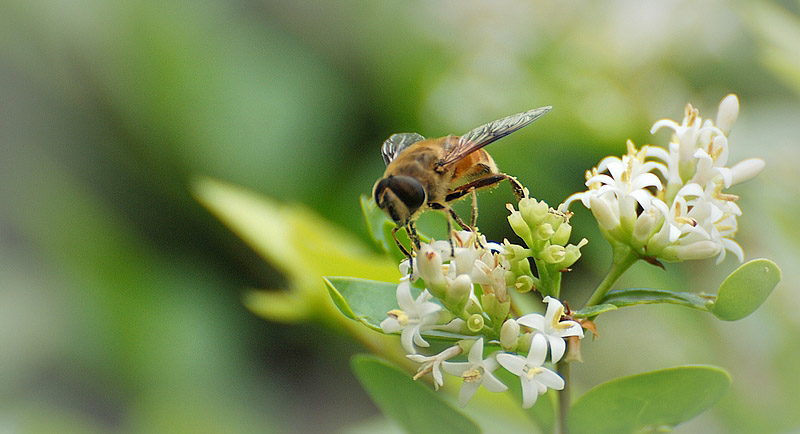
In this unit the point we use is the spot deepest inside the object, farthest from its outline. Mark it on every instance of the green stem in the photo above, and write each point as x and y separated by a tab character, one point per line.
623	259
563	396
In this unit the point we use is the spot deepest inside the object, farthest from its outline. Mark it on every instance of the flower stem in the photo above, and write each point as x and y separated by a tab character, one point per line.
623	259
563	396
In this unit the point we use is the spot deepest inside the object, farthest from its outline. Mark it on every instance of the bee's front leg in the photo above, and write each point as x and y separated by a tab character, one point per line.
402	247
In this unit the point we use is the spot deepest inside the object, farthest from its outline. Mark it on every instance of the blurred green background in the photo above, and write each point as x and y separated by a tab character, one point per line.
121	297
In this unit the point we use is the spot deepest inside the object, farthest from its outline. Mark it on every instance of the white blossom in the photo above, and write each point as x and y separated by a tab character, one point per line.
413	317
476	372
552	328
534	378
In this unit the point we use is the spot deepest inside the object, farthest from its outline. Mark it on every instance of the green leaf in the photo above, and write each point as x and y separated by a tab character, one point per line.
591	311
651	401
409	403
633	296
366	301
744	290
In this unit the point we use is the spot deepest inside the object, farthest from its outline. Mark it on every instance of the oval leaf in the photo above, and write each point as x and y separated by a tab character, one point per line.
364	300
410	404
649	401
744	290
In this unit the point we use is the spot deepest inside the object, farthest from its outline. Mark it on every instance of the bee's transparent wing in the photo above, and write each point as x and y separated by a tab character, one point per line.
485	134
397	143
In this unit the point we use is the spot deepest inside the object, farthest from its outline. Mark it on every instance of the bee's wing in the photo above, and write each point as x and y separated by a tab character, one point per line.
485	134
397	143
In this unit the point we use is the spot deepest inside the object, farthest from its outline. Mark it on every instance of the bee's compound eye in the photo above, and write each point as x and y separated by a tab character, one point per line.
407	189
380	187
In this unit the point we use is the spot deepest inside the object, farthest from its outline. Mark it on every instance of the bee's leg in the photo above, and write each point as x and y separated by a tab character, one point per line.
487	181
413	236
519	190
450	215
402	247
474	218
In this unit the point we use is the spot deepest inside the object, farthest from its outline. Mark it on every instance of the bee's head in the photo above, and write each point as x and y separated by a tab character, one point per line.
400	196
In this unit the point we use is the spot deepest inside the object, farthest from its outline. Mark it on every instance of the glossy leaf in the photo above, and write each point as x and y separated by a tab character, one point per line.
366	301
744	290
651	401
409	403
591	311
633	296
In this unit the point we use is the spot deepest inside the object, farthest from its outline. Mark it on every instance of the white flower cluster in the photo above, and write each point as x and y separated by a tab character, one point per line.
683	213
450	280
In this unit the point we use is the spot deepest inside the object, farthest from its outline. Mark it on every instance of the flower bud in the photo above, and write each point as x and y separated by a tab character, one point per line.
603	213
697	250
643	228
573	350
544	231
523	283
430	270
572	253
562	234
514	252
519	226
533	211
475	323
458	292
553	254
727	113
509	334
746	170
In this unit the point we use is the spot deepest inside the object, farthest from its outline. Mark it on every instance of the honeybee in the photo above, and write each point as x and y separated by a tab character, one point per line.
423	174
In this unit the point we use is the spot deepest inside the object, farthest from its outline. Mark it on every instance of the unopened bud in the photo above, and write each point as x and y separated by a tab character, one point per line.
458	292
697	250
553	254
603	213
544	231
746	170
509	334
430	270
519	226
562	234
533	211
523	283
728	112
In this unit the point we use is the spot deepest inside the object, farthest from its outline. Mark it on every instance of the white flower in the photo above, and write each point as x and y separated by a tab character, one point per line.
433	364
552	328
535	378
476	371
689	219
413	317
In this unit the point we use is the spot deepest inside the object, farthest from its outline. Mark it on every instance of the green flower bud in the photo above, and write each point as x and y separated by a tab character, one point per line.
509	334
523	283
553	254
475	323
533	211
519	226
544	231
561	237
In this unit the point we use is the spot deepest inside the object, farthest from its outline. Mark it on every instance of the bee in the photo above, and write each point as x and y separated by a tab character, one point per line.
423	174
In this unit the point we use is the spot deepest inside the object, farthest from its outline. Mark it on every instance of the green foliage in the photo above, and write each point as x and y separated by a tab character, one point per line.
410	404
636	296
744	290
366	301
648	402
300	244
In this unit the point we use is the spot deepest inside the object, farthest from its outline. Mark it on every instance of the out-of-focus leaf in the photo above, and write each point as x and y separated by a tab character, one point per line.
633	296
648	402
744	290
298	243
409	403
